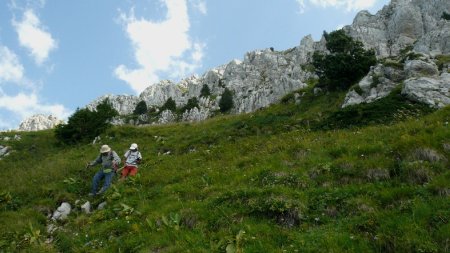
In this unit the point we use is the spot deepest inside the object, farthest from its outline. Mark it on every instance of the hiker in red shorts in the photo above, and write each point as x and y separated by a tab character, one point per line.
133	158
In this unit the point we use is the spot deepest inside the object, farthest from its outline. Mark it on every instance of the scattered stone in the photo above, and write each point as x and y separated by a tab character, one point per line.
62	212
51	228
86	207
101	206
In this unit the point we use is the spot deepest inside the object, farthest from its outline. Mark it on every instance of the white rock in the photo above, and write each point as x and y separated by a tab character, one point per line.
101	206
431	91
418	68
86	207
62	212
39	122
124	104
167	116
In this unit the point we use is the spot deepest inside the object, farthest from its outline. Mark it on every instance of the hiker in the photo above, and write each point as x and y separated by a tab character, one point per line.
133	158
110	162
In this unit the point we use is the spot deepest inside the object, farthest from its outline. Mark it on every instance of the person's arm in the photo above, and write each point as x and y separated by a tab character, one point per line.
116	158
95	162
127	154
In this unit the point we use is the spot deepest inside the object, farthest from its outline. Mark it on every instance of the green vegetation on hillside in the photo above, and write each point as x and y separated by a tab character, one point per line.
276	180
346	63
84	125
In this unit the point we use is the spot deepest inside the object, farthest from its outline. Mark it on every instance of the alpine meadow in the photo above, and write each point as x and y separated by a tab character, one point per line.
339	145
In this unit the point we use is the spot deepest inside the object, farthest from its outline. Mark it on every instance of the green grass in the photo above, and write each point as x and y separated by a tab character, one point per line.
271	181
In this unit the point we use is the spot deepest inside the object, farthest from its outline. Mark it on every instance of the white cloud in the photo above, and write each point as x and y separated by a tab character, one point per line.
24	105
34	37
349	5
25	102
10	68
200	5
160	47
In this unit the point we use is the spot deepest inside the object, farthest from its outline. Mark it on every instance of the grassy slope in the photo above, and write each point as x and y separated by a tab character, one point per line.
263	182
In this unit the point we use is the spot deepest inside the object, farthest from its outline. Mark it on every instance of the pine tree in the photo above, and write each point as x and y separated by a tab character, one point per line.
226	101
205	91
141	108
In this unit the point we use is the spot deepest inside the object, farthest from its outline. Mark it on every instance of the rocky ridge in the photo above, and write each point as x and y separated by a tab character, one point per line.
265	76
39	122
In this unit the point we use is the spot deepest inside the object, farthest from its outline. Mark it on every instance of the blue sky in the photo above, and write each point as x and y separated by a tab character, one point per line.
57	55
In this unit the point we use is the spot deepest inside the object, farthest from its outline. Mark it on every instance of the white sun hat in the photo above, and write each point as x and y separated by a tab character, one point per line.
104	149
134	146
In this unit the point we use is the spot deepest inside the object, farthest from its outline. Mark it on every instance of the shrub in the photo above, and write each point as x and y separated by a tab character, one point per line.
169	105
346	64
375	113
205	91
141	108
191	103
85	124
445	16
226	101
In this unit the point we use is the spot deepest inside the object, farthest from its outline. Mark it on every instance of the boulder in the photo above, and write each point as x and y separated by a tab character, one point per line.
376	84
419	68
86	207
62	212
431	91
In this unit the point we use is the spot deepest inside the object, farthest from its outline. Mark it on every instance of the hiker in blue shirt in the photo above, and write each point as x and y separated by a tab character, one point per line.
110	162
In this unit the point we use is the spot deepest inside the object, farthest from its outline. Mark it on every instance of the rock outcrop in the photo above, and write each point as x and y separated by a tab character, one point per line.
421	79
39	122
434	92
263	77
403	23
124	104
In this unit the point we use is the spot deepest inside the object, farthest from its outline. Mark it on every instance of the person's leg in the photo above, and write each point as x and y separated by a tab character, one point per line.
133	171
125	172
107	183
98	176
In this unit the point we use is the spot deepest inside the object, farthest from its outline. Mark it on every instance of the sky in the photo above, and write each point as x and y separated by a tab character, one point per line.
59	55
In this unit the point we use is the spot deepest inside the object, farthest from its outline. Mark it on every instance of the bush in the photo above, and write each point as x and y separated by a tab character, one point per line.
375	113
169	105
346	64
141	108
445	16
205	91
85	125
191	103
226	101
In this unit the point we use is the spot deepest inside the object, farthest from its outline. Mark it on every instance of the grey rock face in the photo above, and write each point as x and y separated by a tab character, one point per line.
263	77
431	91
196	114
378	83
418	68
167	116
403	23
124	104
39	122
